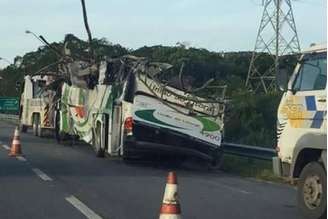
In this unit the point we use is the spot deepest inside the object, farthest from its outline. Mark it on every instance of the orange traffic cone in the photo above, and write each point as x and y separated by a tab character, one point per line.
15	149
170	208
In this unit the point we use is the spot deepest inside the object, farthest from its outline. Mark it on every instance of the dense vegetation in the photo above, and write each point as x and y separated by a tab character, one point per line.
250	118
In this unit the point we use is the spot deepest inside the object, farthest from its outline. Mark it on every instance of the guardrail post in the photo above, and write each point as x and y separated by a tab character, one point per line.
276	166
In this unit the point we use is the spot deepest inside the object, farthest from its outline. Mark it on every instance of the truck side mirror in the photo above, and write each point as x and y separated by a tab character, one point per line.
18	85
282	79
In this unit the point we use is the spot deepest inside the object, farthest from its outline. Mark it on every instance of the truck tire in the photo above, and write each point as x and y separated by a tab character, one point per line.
35	124
39	129
312	190
22	128
98	142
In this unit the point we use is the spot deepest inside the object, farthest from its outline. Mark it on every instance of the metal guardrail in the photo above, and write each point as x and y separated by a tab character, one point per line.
9	117
249	151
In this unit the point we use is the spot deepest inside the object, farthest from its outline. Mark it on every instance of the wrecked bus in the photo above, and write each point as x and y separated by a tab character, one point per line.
130	111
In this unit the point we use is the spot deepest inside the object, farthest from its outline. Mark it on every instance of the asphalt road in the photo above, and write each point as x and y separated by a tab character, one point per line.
61	181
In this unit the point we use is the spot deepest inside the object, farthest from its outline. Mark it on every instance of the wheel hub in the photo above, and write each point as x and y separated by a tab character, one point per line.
312	191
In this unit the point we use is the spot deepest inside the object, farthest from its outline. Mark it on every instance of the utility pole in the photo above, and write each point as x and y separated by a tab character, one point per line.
86	24
276	37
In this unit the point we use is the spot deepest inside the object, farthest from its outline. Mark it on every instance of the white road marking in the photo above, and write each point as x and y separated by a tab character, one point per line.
21	158
6	147
41	174
90	214
234	189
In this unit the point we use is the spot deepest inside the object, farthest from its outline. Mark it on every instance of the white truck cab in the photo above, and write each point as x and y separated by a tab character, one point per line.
36	105
302	131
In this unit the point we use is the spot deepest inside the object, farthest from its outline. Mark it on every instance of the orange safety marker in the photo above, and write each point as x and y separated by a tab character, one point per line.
170	208
15	149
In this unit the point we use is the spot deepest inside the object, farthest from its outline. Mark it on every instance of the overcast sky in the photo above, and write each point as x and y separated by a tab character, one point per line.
217	25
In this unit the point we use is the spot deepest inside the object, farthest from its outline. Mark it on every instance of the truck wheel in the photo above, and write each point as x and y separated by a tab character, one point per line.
39	129
98	142
22	128
35	125
312	190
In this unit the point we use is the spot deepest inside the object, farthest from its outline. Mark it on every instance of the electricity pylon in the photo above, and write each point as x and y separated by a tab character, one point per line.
277	36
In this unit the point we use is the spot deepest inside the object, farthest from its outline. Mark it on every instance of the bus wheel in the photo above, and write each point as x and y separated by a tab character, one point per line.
217	161
312	191
98	141
59	135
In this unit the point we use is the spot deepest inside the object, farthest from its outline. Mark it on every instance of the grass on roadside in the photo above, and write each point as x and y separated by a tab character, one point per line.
250	167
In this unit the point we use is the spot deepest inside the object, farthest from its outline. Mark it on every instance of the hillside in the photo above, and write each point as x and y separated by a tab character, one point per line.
250	118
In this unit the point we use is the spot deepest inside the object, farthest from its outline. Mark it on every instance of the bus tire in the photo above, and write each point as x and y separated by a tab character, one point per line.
217	161
59	135
98	142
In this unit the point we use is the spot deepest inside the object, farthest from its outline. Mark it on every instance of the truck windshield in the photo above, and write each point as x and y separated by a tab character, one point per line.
312	74
38	88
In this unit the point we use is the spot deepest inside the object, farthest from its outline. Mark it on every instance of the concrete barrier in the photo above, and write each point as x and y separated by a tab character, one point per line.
9	117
